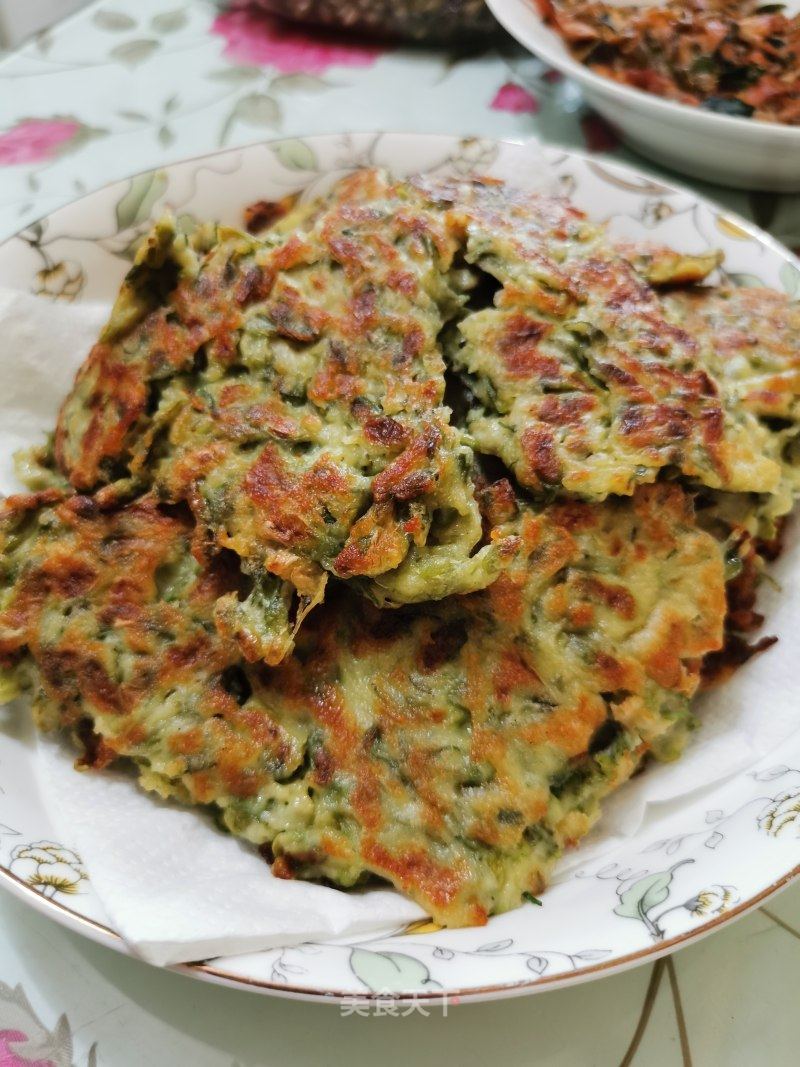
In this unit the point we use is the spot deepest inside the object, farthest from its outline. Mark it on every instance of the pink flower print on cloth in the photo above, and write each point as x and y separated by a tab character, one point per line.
512	97
37	140
257	39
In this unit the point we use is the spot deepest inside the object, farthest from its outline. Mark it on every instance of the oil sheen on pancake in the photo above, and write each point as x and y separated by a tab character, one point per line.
453	749
290	390
582	384
399	535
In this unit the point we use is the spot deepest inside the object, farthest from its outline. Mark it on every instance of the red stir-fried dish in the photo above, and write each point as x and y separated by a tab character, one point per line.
732	57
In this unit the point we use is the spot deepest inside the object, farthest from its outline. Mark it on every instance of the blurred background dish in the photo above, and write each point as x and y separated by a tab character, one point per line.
415	20
720	148
734	57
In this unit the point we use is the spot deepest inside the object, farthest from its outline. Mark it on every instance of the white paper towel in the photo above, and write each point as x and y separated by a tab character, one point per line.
178	889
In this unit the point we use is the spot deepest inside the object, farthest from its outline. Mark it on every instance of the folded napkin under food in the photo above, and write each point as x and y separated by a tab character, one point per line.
177	888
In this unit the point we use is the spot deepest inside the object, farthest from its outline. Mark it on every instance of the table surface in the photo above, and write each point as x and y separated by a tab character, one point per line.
131	84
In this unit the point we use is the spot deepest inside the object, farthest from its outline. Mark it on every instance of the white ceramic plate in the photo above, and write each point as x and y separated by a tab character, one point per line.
716	858
718	148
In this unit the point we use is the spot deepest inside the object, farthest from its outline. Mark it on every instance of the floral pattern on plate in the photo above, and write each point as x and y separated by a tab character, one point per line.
178	79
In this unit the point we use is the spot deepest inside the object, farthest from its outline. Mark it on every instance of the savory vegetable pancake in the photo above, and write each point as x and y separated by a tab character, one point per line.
290	390
582	384
454	749
749	338
262	429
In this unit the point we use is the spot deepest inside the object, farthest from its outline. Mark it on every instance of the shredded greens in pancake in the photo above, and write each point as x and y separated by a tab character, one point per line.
454	749
401	534
290	390
582	384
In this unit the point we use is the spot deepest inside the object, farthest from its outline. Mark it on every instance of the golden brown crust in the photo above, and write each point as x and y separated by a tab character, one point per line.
260	432
431	746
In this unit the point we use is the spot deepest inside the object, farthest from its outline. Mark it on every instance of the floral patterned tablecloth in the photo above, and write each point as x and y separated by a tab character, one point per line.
130	84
